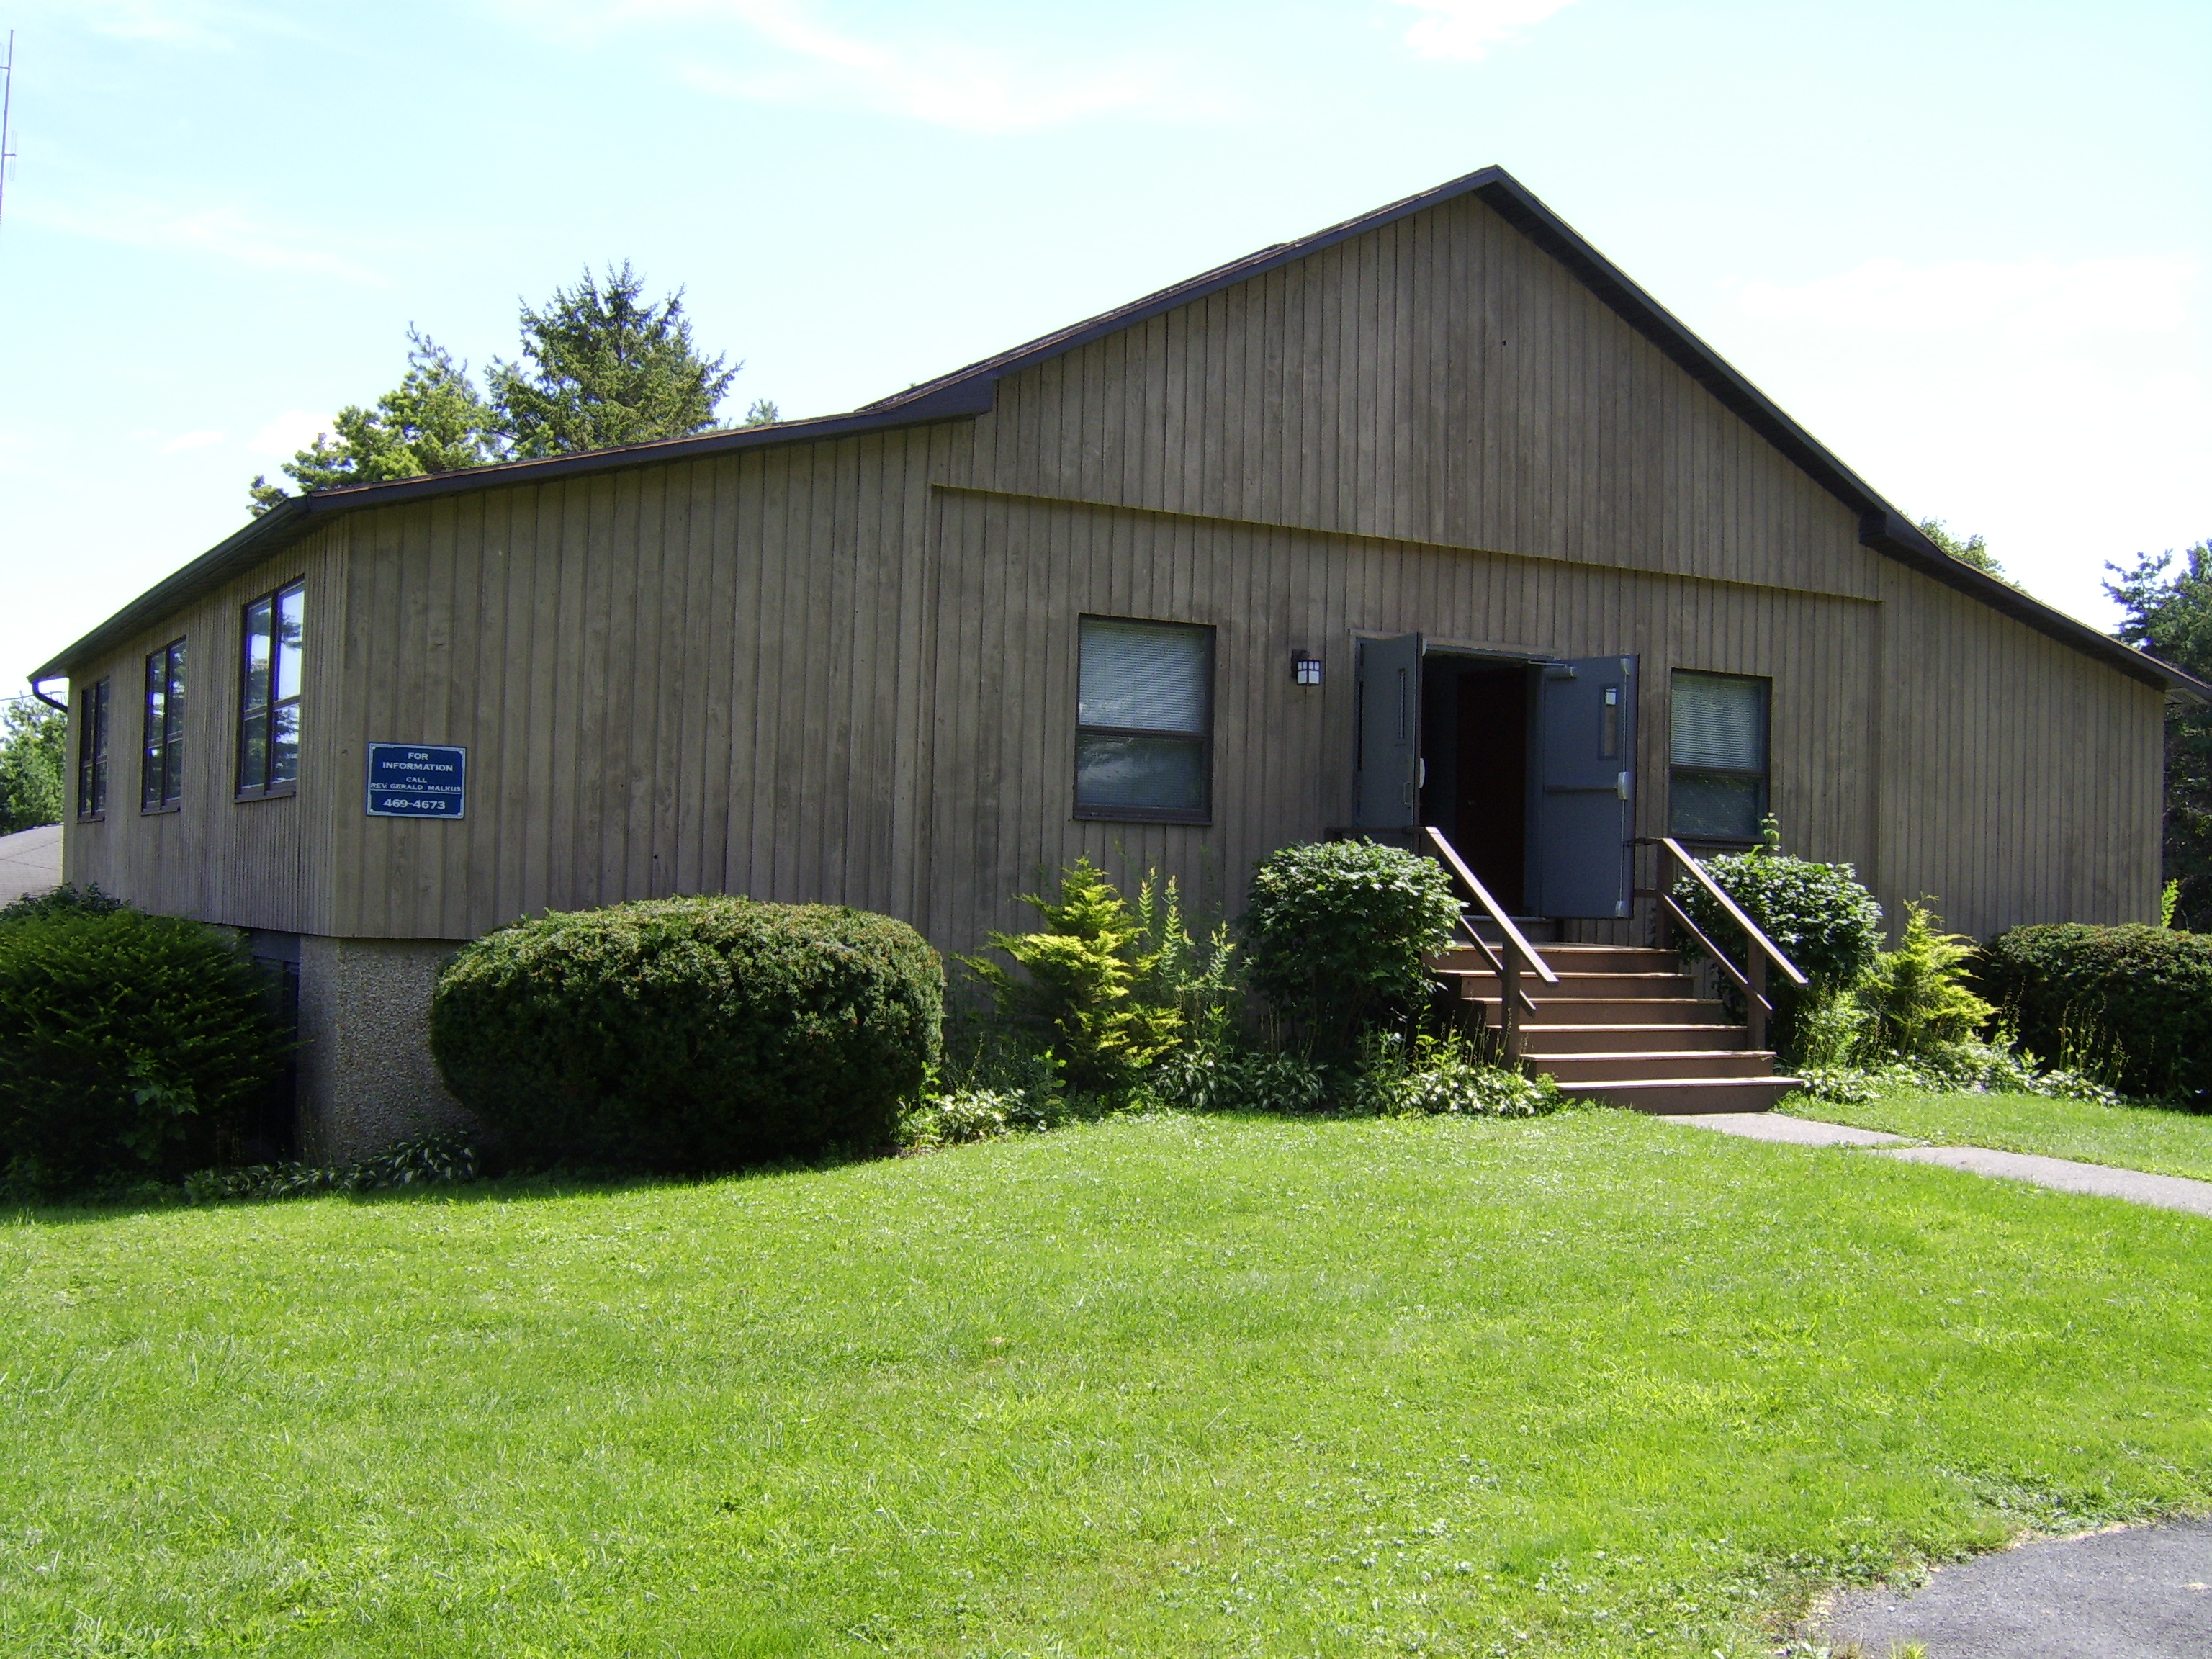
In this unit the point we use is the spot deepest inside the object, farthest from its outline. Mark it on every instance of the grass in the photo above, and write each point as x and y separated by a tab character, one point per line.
1589	1385
2157	1138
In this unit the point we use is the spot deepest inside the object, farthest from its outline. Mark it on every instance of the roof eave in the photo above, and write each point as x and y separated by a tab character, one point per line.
296	515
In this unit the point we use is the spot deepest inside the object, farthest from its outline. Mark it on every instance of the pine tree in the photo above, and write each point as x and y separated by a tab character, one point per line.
2169	614
435	421
602	367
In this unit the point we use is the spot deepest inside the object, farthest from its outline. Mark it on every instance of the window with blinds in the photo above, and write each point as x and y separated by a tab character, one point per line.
1717	778
1144	721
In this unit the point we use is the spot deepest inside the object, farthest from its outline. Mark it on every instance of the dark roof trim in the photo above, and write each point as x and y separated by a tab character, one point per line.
973	390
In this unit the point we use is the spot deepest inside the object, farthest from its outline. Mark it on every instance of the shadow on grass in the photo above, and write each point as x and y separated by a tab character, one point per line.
508	1186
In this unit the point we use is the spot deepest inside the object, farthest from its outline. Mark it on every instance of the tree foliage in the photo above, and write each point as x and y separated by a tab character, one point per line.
435	421
1974	551
2168	612
32	739
601	366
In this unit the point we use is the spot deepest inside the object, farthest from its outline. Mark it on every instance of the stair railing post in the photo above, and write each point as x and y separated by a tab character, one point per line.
1754	998
1509	1008
1662	920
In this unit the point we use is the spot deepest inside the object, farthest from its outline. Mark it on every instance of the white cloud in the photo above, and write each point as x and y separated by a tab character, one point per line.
219	233
284	435
2037	299
207	23
185	440
1466	29
943	81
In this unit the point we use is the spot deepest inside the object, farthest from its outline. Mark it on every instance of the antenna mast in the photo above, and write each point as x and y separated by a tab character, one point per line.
7	104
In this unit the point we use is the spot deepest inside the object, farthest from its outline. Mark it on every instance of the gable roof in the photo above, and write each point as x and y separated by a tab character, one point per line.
969	392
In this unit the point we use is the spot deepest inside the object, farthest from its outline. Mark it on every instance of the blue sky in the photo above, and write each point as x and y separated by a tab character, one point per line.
1969	246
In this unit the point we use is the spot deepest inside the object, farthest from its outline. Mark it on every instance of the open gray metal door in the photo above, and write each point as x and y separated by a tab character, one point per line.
1386	791
1583	814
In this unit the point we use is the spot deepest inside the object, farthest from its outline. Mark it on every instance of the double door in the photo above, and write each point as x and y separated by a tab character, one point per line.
1571	779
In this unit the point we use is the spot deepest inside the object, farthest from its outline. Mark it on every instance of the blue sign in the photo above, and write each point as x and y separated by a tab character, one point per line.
416	781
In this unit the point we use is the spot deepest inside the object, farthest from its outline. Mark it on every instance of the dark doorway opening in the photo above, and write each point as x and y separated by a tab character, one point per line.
1475	741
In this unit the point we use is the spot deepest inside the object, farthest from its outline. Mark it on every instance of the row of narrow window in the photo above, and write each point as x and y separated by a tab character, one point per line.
1143	726
268	715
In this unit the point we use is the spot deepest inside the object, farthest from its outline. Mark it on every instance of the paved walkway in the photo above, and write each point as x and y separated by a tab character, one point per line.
2137	1593
2100	1179
30	861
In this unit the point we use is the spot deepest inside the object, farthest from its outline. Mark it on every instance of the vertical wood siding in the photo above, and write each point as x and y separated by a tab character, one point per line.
845	669
251	864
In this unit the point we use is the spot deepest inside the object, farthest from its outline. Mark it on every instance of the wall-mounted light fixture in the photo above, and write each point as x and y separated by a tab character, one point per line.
1305	668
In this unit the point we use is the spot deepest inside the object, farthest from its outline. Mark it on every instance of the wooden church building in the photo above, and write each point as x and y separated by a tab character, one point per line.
1433	517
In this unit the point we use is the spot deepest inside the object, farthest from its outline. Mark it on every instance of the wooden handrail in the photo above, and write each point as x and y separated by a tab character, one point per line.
1511	999
1758	949
1682	917
1521	948
1734	912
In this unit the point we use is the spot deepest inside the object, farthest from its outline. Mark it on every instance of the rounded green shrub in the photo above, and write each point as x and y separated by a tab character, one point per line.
690	1034
1338	933
1817	915
2131	1006
133	1047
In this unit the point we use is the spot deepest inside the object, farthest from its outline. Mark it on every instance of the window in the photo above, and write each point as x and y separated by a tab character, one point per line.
269	696
1717	779
1144	721
162	784
92	751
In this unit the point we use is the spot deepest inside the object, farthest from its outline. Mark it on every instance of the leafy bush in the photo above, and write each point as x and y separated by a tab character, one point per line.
66	899
1195	977
1091	993
131	1046
1817	915
1339	931
690	1034
1439	1076
1957	1068
959	1116
426	1161
1222	1076
1915	997
2131	1003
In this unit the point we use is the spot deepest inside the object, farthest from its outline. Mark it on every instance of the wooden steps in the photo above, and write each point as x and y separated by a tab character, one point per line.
1624	1026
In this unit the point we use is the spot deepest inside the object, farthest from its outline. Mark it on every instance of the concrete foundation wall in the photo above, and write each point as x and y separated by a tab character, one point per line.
366	1075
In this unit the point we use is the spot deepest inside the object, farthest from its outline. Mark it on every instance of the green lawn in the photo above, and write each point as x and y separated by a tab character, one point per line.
2150	1137
1591	1384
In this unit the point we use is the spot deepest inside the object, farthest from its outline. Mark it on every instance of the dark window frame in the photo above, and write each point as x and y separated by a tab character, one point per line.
1763	776
259	719
92	744
162	756
1117	814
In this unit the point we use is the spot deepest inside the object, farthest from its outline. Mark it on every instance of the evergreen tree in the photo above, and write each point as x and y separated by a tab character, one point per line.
602	367
32	738
1974	551
433	421
2169	614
